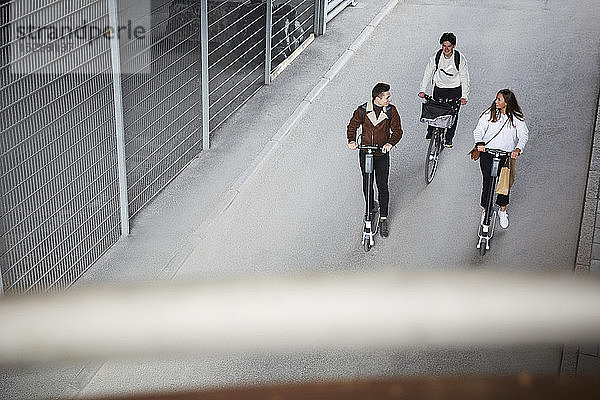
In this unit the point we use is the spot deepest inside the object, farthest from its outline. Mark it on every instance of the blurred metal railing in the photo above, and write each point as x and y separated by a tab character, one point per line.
358	311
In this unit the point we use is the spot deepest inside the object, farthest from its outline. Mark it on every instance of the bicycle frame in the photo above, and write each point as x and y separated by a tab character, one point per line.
438	138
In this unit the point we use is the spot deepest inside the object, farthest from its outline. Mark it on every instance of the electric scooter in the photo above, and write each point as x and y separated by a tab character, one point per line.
488	220
372	211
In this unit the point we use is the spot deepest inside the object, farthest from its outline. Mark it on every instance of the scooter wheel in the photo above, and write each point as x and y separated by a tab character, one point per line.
482	246
367	244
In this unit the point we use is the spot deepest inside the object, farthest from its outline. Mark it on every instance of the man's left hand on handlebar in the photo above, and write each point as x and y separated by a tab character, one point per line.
463	101
352	145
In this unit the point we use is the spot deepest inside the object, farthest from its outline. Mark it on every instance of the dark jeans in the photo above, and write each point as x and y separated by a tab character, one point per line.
445	94
485	162
381	169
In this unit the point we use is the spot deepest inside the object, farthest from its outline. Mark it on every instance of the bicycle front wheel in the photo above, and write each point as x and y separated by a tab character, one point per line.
433	154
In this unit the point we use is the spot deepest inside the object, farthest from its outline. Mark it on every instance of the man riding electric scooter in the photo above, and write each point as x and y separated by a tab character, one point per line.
381	127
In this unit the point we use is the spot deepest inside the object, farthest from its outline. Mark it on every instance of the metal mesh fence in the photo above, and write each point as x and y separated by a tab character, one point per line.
58	175
293	22
334	7
236	54
162	106
59	122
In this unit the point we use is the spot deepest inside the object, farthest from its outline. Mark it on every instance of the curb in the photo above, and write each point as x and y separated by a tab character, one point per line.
588	244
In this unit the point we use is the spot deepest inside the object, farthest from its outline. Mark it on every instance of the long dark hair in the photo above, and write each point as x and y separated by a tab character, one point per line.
513	109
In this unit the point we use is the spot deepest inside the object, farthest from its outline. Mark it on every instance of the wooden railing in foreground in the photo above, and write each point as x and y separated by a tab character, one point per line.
521	387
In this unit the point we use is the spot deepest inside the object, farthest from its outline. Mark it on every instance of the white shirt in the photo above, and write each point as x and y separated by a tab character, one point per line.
442	80
509	138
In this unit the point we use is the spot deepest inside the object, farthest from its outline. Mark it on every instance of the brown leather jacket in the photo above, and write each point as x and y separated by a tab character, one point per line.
375	130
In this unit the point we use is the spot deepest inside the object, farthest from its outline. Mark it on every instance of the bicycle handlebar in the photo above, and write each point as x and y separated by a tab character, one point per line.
430	98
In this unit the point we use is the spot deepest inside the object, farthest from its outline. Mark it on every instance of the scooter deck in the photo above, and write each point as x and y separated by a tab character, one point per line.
371	227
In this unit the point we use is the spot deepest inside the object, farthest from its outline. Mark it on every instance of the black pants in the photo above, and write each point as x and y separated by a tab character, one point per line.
381	169
485	162
445	94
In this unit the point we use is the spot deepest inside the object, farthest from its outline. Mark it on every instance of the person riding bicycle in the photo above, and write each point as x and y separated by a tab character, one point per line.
502	126
448	72
378	117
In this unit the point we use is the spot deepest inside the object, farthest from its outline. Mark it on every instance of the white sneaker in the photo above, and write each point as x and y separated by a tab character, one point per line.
503	216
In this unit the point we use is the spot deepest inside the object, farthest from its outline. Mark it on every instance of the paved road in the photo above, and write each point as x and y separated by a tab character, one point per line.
301	213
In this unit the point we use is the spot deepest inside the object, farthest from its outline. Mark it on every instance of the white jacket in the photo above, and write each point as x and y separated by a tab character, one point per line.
511	136
442	80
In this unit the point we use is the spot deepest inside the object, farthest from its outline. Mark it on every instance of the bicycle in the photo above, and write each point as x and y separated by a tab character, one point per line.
488	221
372	213
441	115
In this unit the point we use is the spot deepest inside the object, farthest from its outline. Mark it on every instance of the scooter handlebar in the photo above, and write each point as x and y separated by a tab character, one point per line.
498	152
369	147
